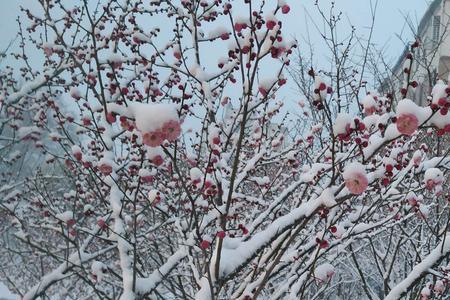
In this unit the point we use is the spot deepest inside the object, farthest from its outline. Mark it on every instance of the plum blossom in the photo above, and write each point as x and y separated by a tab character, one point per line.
439	287
285	9
105	168
147	176
155	197
154	138
355	178
172	129
407	123
156	122
433	179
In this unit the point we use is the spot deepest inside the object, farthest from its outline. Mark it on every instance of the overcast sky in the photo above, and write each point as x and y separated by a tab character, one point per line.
390	18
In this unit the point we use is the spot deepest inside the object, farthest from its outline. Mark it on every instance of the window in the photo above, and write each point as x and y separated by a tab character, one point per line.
436	28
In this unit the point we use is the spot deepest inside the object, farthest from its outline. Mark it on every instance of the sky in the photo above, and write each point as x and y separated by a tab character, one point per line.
389	24
390	18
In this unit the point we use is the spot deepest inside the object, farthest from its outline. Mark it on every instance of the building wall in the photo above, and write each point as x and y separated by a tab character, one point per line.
432	57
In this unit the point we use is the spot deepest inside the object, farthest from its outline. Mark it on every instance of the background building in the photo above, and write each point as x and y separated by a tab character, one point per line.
431	58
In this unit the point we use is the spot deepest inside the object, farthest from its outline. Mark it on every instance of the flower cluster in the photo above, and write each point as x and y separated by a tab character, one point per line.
169	131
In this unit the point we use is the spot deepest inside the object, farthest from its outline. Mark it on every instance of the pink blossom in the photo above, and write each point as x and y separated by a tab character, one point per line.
357	184
76	151
101	223
110	117
172	129
417	159
147	179
276	52
205	244
240	26
157	160
430	184
412	201
270	24
221	234
285	9
369	110
263	91
439	287
225	36
216	140
105	169
407	123
433	179
48	51
225	101
86	121
154	138
71	222
355	178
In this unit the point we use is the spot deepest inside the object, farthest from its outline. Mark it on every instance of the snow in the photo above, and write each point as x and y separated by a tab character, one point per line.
30	87
106	161
439	286
124	247
115	58
434	174
217	32
324	272
368	102
27	131
154	196
154	152
76	149
236	252
295	196
425	293
147	284
352	169
195	174
424	210
97	269
151	117
76	258
205	291
261	181
417	272
140	37
213	134
65	216
318	85
343	122
407	106
271	17
12	194
266	84
439	91
439	120
146	172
